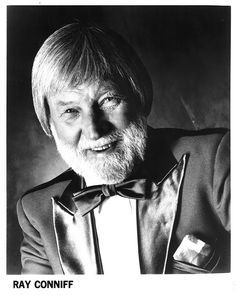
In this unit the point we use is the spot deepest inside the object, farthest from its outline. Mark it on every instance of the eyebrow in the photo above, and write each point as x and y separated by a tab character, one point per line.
64	103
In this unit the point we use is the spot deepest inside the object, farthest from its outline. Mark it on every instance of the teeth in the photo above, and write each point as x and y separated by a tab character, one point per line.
101	148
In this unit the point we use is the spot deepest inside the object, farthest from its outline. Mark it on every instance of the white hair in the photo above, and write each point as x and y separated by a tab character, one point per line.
78	53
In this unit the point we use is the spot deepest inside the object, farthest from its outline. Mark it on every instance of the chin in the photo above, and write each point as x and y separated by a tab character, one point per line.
113	167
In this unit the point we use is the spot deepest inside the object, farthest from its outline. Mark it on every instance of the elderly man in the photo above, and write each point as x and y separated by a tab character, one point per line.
134	200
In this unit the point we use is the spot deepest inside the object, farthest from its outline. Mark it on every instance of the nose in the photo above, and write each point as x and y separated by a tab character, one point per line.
91	126
95	125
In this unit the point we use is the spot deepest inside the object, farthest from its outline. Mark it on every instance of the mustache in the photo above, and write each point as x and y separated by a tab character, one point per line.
86	144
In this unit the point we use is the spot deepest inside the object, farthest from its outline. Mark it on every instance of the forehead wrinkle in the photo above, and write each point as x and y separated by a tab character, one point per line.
91	91
64	103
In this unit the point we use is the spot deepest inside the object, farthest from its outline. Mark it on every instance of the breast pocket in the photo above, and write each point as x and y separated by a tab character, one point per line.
194	256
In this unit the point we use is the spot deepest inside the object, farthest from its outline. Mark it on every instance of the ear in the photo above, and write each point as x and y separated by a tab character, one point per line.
47	125
53	132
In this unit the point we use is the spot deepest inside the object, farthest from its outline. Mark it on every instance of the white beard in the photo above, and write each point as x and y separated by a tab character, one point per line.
112	167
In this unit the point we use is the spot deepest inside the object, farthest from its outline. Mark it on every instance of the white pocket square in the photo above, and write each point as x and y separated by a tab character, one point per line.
196	252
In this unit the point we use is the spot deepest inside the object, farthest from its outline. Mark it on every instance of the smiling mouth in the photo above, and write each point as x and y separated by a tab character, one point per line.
103	148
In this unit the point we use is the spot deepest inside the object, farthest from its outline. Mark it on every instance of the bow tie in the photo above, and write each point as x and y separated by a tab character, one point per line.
91	197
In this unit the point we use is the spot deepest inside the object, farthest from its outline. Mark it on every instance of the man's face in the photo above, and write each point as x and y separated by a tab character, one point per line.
99	132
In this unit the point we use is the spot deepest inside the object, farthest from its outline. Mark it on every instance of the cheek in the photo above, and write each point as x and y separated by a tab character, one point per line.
67	133
123	116
120	121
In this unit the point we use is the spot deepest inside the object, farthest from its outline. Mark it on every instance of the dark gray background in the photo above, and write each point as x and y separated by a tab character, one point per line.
185	49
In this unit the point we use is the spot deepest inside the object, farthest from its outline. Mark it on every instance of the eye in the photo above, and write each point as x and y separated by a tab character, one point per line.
110	101
71	113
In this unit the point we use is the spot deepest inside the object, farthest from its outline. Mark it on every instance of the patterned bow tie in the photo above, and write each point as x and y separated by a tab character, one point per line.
91	197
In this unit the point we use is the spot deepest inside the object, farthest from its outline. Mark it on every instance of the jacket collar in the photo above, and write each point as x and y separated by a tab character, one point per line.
65	199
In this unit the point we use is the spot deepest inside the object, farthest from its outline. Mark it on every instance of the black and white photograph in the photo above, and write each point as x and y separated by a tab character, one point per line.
118	140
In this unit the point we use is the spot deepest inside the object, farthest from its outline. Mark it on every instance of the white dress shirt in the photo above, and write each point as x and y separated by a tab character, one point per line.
117	234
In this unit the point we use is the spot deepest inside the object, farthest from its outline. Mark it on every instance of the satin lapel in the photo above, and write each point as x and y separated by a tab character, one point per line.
156	219
74	234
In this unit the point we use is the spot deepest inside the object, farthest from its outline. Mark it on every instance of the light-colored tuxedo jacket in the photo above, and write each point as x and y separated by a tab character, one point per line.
191	173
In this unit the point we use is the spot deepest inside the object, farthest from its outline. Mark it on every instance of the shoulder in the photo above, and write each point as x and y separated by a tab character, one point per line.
201	143
39	197
67	175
